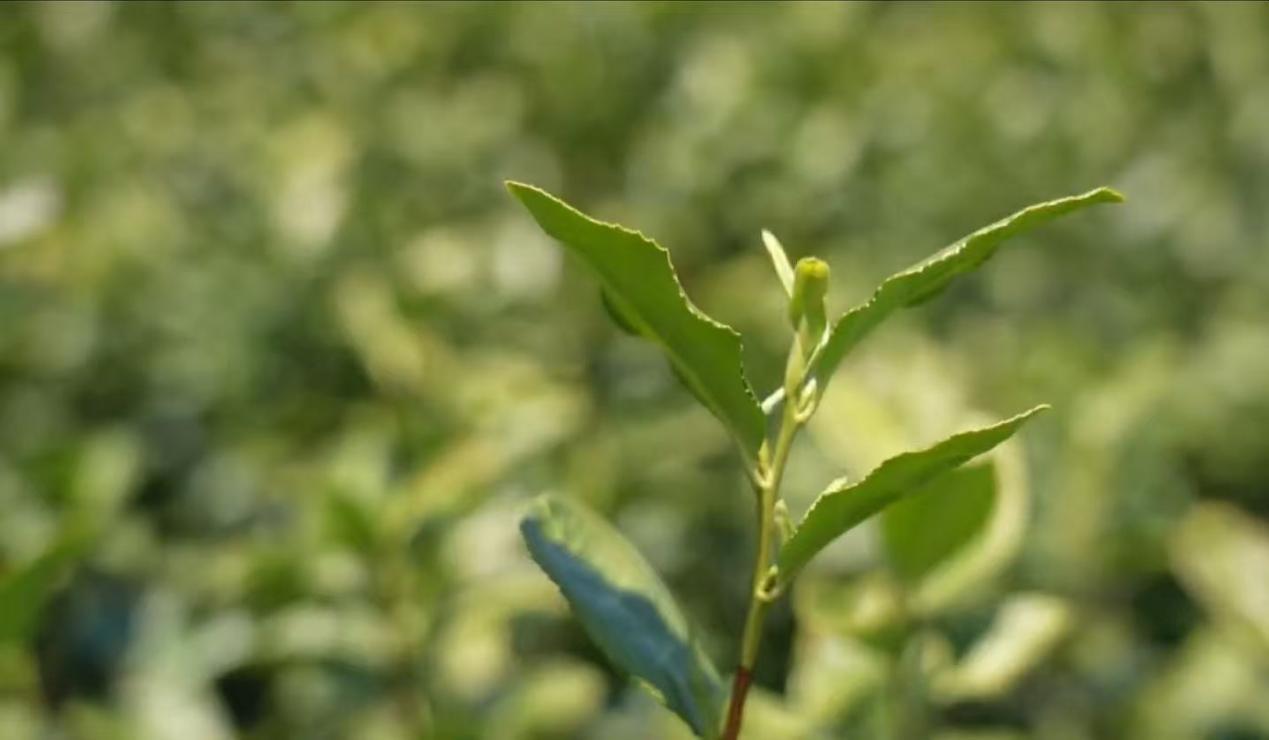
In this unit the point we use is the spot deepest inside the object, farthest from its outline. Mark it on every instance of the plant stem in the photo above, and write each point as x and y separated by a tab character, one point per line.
759	598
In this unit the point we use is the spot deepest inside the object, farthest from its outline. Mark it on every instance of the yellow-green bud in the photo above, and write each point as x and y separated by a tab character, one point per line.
810	283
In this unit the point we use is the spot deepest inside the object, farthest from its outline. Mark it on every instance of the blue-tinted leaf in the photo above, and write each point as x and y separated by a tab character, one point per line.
625	608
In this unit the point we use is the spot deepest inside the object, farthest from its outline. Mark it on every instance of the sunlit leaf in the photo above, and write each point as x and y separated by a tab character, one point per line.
1222	557
625	608
924	280
1023	634
845	505
779	260
643	293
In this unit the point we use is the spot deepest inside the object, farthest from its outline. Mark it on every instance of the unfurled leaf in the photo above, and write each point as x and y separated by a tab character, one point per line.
924	280
921	530
779	260
625	608
642	291
845	505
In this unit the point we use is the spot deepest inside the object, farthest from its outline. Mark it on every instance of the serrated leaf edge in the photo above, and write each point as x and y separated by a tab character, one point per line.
834	356
843	485
751	446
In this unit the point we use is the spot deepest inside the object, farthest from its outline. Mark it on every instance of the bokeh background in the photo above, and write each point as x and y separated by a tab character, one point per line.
281	361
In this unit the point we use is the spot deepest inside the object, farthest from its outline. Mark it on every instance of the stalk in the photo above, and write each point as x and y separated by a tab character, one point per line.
768	480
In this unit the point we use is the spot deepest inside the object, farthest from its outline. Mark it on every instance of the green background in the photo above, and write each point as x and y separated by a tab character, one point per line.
281	361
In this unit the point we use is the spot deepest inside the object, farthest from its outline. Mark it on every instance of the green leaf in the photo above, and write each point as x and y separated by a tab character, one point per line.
615	311
935	521
779	260
928	278
1221	556
23	592
642	290
625	608
845	505
1026	630
351	523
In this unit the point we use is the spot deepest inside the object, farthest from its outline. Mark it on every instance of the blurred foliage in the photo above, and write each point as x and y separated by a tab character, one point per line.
281	362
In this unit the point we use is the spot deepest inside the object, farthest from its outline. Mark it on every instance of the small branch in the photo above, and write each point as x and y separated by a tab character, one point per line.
761	593
739	690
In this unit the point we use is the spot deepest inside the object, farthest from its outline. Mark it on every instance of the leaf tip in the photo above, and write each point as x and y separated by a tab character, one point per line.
779	260
537	508
517	188
1031	412
1108	195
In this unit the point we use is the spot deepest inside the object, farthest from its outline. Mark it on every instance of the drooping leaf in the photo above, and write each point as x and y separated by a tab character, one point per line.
625	608
844	505
933	522
643	292
927	278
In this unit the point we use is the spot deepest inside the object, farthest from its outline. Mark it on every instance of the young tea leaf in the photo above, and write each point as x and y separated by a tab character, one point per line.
845	505
927	278
625	608
779	260
642	291
810	284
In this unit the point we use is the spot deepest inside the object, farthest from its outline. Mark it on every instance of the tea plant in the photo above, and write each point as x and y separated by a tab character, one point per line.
616	594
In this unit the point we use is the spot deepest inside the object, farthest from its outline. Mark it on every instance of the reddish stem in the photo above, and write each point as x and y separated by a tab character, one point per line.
736	710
